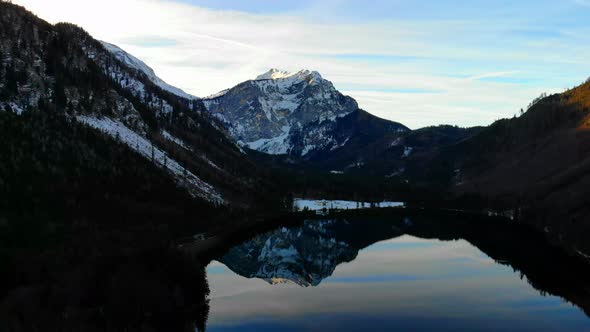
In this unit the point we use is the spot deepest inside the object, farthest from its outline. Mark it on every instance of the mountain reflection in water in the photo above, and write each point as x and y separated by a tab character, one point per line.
401	272
304	255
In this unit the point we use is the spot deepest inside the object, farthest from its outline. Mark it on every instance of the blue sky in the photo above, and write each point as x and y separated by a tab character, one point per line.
545	14
396	9
420	62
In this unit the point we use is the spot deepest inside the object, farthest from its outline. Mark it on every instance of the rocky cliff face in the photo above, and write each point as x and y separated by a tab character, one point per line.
272	112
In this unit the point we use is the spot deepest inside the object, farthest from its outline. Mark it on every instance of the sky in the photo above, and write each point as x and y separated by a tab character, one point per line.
419	62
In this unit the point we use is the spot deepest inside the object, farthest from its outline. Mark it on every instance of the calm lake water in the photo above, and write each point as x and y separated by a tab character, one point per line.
408	274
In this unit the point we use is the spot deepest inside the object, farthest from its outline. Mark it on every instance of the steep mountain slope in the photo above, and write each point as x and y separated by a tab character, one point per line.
139	65
350	133
64	69
286	113
55	172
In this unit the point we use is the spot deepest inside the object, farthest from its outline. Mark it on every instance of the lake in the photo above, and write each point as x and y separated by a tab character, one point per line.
404	272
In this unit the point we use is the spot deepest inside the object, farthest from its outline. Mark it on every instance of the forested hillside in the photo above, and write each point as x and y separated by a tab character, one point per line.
62	68
536	165
100	171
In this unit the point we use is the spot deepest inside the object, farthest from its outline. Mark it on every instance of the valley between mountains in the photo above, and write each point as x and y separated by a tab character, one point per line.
129	204
92	136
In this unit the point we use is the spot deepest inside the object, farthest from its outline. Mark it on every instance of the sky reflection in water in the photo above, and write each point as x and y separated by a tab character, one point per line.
405	283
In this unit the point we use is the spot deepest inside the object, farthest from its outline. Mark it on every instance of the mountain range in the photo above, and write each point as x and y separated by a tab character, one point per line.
267	139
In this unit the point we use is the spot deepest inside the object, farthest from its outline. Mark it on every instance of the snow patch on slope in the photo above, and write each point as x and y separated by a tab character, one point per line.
178	141
143	146
15	108
276	145
407	151
184	145
397	141
338	146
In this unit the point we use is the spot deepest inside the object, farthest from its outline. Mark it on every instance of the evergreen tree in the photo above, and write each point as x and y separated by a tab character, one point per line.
60	94
153	154
11	82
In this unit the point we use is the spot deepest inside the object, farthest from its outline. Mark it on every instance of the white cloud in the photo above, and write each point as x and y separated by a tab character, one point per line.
207	50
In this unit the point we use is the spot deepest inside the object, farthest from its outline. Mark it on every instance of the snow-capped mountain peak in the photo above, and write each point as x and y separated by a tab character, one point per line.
276	74
273	74
271	112
140	66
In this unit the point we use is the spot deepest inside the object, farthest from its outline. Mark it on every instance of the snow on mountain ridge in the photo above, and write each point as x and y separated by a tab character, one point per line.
141	66
272	74
276	74
283	79
216	95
